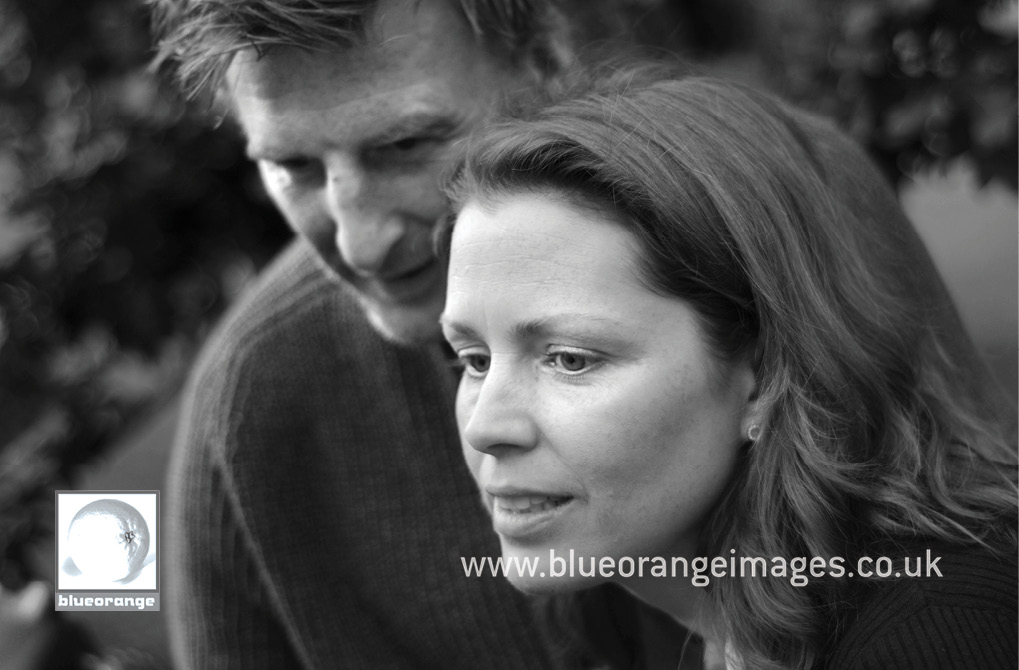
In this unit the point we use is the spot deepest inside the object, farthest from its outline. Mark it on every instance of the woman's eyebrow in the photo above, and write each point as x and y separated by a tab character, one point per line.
457	327
571	323
568	322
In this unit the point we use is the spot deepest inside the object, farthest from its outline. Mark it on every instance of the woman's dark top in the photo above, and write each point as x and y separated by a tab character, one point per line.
966	618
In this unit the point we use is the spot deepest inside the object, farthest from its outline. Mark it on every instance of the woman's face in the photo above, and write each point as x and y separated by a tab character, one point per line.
592	413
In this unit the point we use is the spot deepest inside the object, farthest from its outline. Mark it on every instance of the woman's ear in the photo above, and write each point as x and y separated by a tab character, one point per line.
754	408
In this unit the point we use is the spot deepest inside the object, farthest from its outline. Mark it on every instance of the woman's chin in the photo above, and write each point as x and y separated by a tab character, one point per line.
547	586
543	580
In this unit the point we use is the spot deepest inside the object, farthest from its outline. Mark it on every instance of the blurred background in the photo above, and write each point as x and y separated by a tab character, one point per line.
129	221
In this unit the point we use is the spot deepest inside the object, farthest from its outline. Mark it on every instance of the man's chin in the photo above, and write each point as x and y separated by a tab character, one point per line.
413	324
405	327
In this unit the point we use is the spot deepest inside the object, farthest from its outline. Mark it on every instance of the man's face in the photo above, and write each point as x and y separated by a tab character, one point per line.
351	146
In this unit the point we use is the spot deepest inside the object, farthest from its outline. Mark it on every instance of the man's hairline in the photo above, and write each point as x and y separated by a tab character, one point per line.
366	37
223	98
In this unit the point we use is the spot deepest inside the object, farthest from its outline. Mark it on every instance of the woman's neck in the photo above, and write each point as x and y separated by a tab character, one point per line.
687	604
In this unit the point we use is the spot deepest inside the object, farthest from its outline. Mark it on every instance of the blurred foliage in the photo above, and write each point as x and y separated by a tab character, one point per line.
127	223
920	83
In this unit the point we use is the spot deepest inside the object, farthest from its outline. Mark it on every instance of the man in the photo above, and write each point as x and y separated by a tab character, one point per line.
318	504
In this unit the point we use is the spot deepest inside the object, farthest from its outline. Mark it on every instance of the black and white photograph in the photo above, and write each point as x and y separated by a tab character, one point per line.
509	334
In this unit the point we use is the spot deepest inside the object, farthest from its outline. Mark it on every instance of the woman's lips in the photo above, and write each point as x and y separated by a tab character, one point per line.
526	516
527	504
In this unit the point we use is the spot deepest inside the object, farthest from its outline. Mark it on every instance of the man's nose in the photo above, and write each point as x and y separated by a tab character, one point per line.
499	417
365	208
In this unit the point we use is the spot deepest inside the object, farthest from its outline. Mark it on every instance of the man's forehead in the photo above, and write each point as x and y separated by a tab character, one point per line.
403	40
374	116
286	73
409	77
312	96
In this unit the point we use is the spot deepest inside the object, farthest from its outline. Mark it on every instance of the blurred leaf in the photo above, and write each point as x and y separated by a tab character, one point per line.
917	82
126	226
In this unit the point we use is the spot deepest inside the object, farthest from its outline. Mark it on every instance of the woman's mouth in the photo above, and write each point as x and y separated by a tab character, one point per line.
528	504
527	517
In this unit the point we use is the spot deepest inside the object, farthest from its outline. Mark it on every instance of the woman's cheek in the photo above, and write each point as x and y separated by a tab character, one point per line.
464	406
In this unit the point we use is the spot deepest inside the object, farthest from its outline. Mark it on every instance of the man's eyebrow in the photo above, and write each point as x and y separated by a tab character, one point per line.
432	124
427	124
257	152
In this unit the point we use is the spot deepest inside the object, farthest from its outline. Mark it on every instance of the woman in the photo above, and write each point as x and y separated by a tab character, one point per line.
707	359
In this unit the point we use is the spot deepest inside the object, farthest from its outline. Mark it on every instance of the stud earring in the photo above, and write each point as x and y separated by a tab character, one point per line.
754	432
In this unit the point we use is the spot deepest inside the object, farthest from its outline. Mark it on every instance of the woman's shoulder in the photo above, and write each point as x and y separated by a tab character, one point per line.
960	611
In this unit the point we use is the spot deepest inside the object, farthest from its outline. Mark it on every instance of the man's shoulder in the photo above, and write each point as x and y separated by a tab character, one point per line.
296	331
293	289
293	310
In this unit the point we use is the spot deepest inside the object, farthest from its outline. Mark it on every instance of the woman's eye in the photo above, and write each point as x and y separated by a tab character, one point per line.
475	364
570	361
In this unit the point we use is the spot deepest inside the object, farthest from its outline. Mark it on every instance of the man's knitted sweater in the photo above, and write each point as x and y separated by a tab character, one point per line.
318	503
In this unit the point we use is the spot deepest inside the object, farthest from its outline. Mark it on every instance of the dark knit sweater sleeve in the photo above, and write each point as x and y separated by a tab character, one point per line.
967	618
217	598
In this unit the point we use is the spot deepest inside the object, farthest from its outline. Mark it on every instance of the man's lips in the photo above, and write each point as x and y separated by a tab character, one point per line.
409	285
403	275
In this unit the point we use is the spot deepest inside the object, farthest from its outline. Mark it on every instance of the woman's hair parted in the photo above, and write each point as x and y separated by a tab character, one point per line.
880	423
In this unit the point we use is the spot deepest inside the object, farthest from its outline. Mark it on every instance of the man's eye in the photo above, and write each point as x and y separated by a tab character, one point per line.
407	149
290	172
298	164
408	143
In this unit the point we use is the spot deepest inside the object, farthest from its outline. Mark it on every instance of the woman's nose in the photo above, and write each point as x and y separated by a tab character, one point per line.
499	416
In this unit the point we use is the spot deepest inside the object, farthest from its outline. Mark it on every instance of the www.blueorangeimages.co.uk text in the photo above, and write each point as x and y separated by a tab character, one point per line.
702	569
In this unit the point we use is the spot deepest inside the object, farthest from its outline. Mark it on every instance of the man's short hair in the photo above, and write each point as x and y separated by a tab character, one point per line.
201	37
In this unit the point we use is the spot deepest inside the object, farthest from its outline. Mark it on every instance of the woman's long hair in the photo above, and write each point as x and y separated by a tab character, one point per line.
880	423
